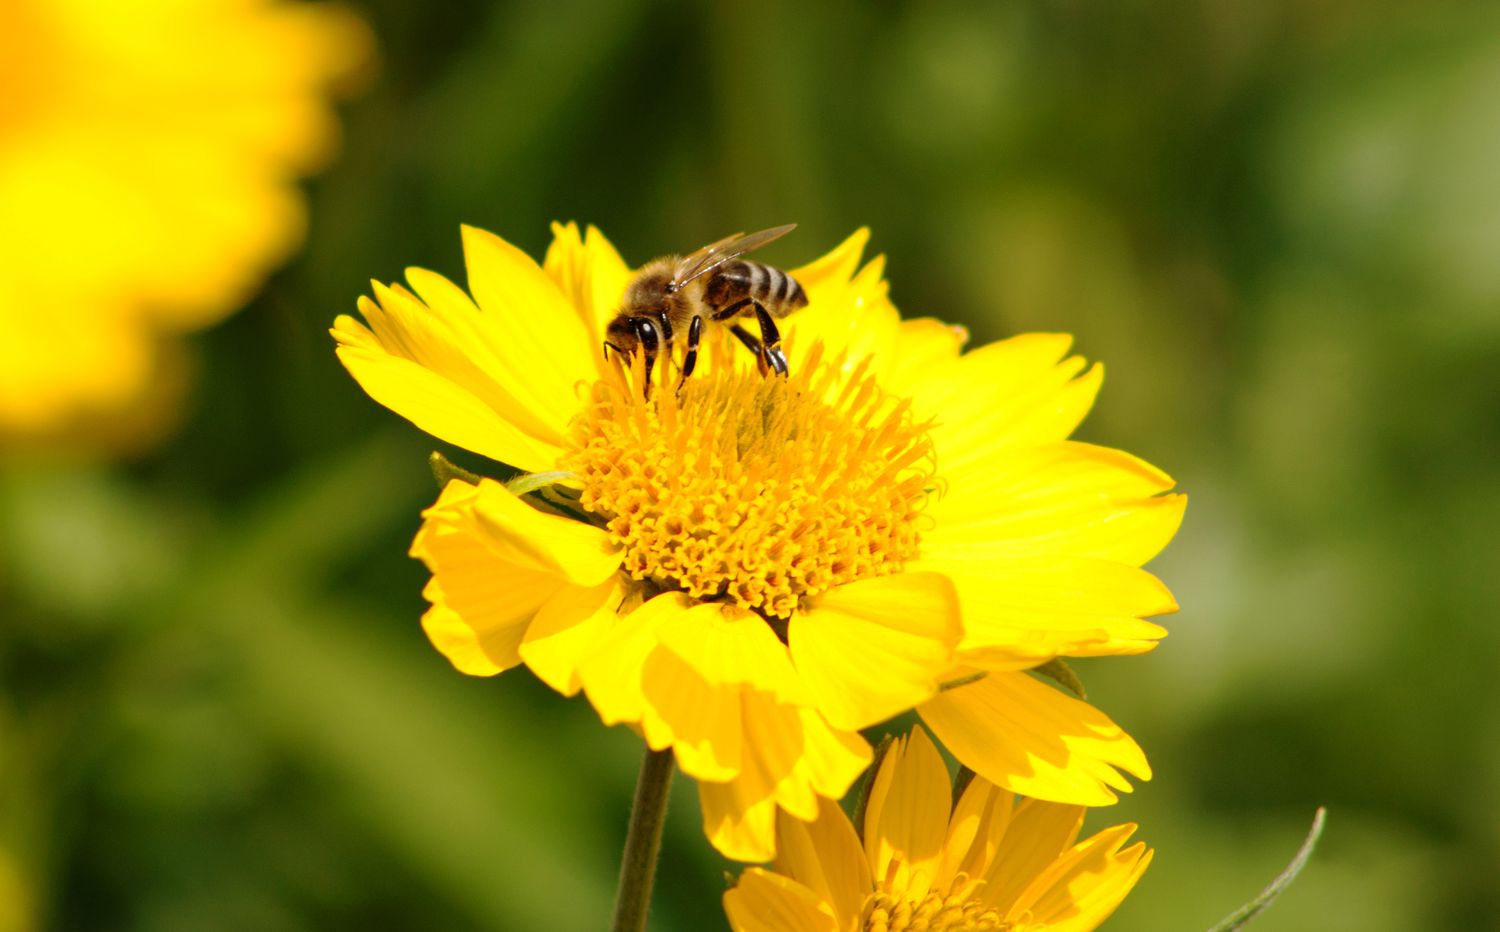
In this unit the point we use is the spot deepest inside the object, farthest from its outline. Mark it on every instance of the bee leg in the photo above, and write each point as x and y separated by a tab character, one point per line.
754	345
664	323
732	310
645	331
767	349
770	342
690	359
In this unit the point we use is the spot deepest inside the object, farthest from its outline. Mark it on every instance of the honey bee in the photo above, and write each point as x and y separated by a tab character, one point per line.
672	296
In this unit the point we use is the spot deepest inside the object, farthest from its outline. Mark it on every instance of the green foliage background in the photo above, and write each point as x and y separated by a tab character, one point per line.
1277	222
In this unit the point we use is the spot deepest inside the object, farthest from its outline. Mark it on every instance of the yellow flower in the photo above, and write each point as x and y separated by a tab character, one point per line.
764	566
147	159
991	864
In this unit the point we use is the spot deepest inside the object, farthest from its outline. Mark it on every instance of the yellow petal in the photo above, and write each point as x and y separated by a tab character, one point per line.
1038	832
765	902
874	648
979	821
911	821
1080	889
517	533
590	273
703	721
837	266
611	672
540	330
434	402
566	629
1031	739
1025	610
716	674
479	354
825	856
1015	393
740	824
444	331
848	310
791	759
928	347
1063	498
481	604
876	792
479	613
779	739
728	645
829	761
630	676
688	674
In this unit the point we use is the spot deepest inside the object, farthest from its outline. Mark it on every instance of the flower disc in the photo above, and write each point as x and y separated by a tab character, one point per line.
758	491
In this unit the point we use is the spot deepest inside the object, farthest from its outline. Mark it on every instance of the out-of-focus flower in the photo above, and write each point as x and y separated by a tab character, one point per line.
17	909
148	154
920	863
749	569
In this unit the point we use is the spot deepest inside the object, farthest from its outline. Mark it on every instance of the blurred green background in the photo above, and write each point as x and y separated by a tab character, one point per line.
1277	222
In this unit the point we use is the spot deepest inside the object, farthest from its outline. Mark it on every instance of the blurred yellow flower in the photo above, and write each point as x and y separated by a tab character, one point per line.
924	864
17	905
765	566
147	159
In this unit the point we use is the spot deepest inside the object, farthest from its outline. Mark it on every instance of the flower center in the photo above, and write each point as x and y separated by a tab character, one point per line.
758	490
935	912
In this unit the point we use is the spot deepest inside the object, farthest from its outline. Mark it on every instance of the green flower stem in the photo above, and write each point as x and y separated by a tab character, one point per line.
1242	916
643	841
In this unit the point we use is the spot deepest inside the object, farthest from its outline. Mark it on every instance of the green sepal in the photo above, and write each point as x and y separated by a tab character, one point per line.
1058	671
962	681
961	781
536	481
445	470
863	799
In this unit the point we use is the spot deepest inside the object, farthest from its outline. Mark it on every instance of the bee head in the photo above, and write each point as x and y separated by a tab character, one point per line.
620	336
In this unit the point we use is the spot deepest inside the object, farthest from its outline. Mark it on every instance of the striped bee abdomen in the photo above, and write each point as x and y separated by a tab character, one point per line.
775	290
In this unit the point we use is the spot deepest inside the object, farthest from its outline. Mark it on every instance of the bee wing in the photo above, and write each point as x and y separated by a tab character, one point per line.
714	255
686	265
